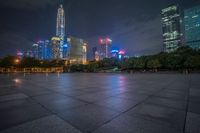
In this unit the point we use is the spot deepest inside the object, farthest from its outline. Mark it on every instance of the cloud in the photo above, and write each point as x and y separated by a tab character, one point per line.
28	4
11	41
139	37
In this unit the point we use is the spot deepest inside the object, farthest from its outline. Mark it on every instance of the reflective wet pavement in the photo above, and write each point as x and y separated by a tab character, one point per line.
100	103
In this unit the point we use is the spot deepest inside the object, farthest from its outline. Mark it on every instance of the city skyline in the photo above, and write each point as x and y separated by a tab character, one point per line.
122	33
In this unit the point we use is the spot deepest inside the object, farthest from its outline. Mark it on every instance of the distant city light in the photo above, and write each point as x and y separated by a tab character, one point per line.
65	46
17	61
17	81
19	53
121	52
35	45
120	57
115	51
105	41
108	40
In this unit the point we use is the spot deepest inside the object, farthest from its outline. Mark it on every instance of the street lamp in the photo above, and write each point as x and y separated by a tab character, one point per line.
17	61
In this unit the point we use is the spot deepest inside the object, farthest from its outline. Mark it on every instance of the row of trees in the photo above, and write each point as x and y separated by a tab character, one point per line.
184	58
12	61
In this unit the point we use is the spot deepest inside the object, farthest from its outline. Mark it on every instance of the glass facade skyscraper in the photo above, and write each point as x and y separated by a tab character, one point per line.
77	50
192	27
171	25
60	28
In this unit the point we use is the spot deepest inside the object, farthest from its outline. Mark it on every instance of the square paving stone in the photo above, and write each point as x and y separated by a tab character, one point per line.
58	104
132	96
118	104
16	104
8	90
195	95
135	124
15	116
171	103
49	124
174	118
194	107
49	97
89	117
172	95
93	97
70	92
35	91
192	123
12	97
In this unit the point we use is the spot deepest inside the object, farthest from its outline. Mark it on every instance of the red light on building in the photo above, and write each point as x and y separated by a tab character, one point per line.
121	52
101	41
105	41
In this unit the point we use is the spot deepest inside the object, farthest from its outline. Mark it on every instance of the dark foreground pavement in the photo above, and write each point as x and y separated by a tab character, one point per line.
100	103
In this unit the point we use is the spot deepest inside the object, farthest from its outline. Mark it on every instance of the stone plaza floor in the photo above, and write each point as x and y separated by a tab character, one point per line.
99	103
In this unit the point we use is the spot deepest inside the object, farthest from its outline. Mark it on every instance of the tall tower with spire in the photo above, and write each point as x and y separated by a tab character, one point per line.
60	27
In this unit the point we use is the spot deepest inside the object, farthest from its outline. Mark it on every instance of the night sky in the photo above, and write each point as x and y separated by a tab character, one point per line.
133	25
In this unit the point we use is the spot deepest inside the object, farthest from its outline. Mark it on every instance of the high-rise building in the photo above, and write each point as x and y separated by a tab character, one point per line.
60	28
84	53
192	27
97	56
94	50
77	50
48	50
36	50
171	25
41	49
105	47
55	48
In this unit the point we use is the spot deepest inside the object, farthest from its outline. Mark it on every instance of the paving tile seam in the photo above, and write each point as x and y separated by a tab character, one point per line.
187	106
165	106
70	123
163	88
73	97
18	124
125	111
15	99
51	113
27	121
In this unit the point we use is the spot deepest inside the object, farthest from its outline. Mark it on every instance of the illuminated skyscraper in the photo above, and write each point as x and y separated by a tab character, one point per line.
171	24
192	27
56	48
60	28
77	50
105	47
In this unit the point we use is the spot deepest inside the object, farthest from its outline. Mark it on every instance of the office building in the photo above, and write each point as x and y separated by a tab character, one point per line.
105	47
192	27
94	50
171	26
56	48
77	50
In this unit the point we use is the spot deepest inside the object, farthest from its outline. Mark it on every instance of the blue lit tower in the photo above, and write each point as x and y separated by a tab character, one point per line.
60	27
192	27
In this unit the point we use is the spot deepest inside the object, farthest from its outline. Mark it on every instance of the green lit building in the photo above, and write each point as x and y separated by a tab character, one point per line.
77	50
171	26
192	27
